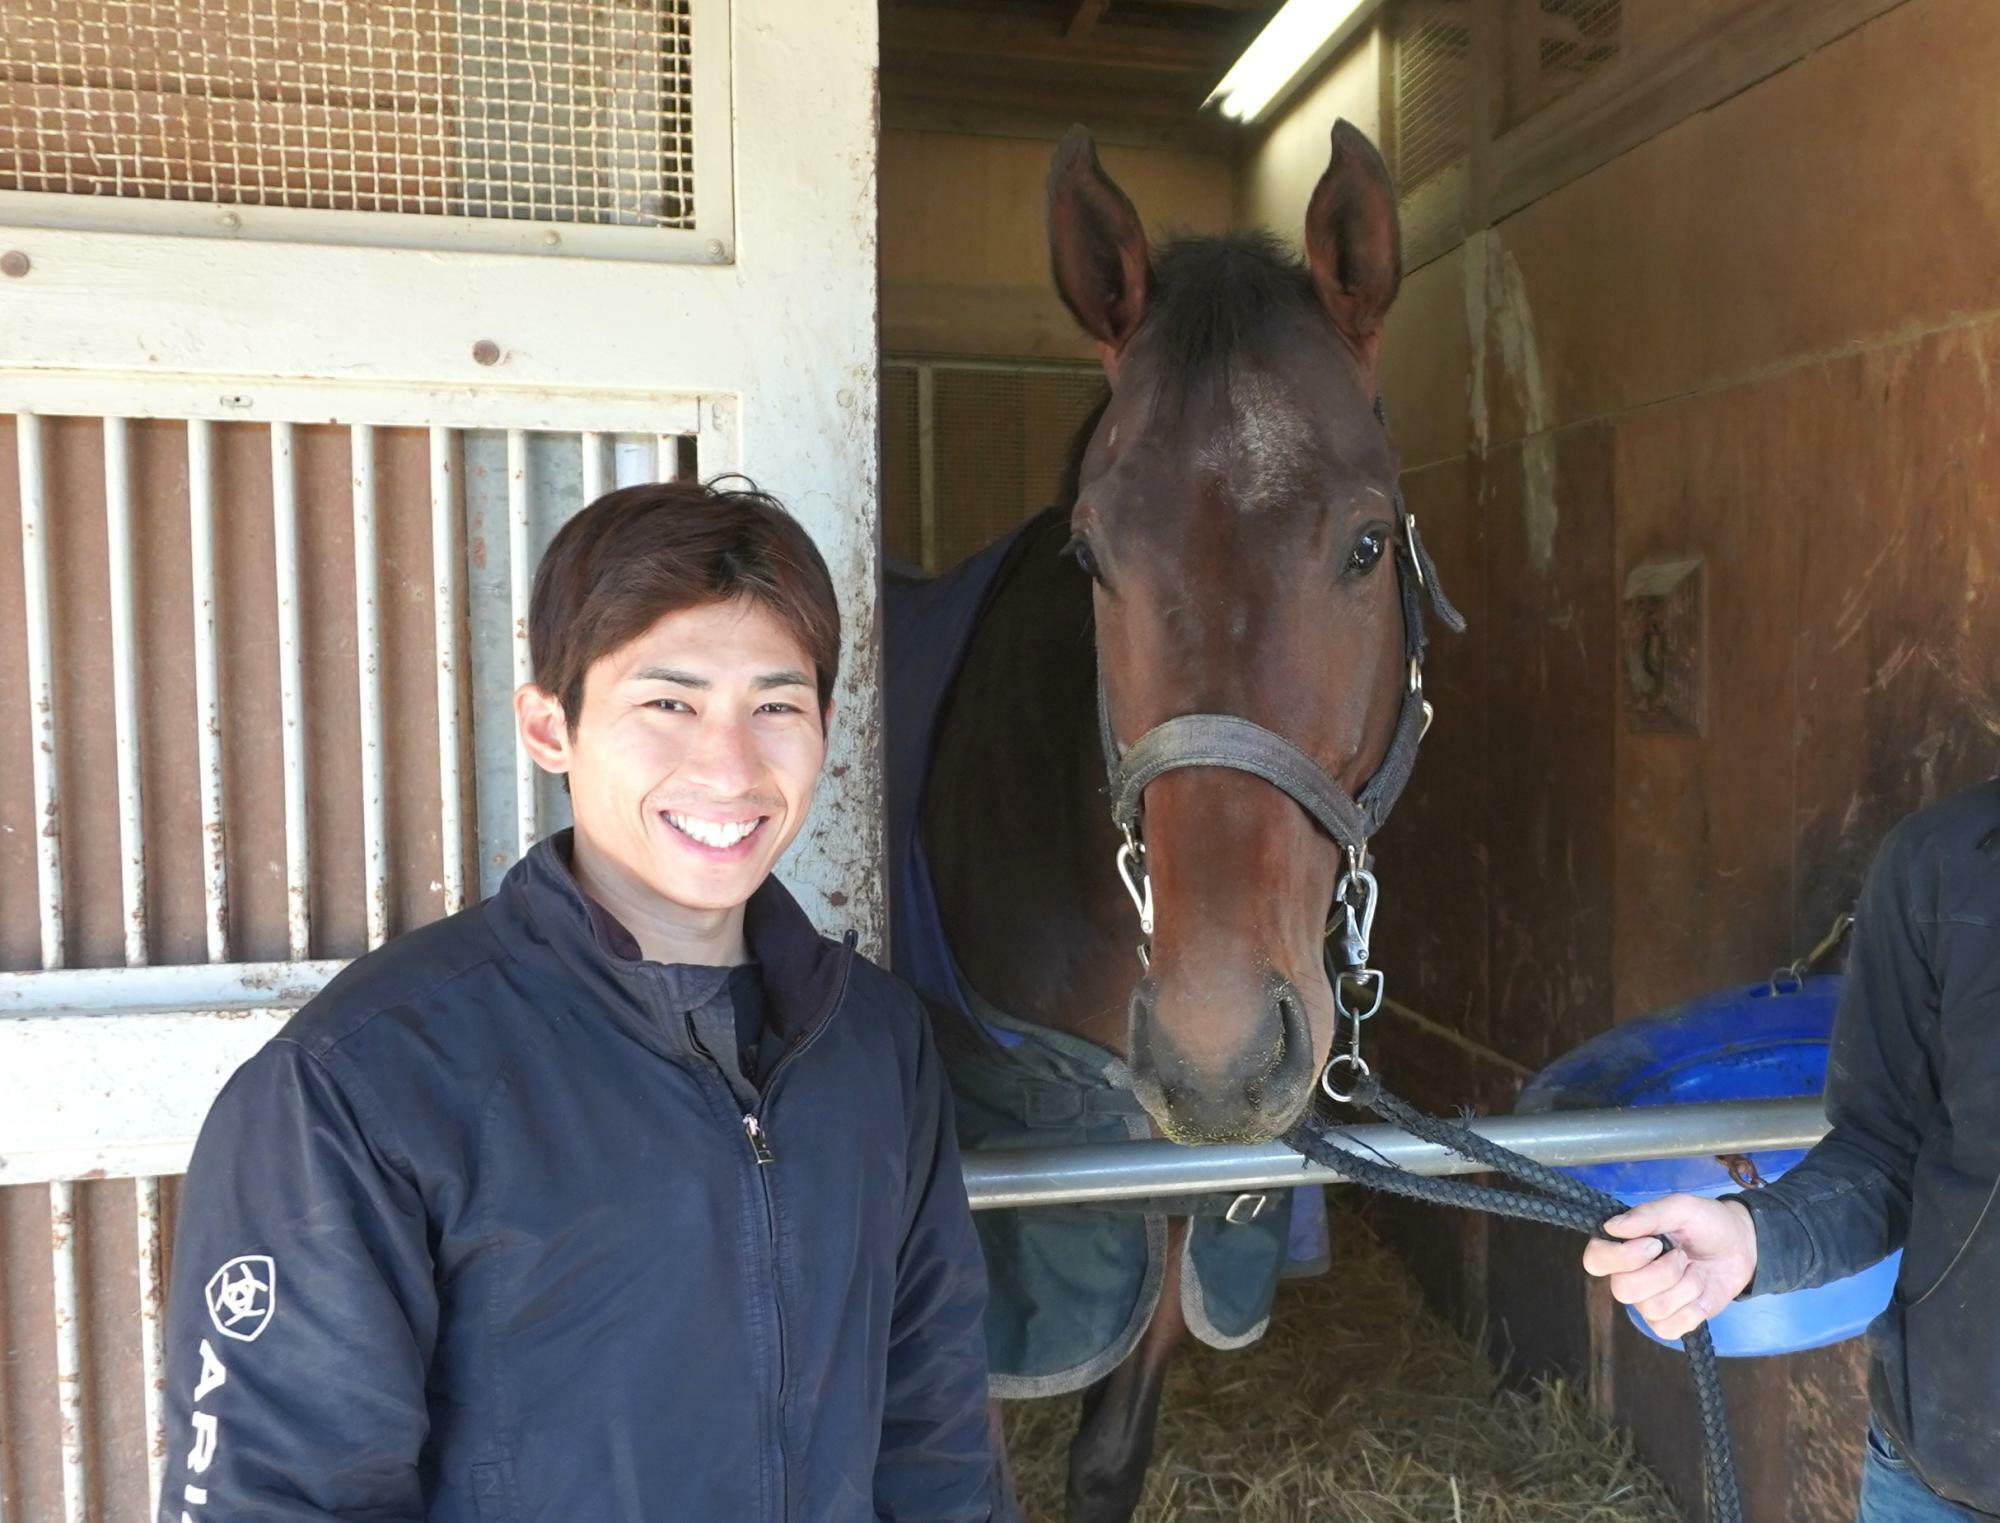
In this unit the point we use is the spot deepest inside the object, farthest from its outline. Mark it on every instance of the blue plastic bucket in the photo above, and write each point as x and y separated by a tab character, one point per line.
1741	1044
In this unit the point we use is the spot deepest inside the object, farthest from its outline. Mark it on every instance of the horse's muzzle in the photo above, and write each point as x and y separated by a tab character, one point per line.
1252	1094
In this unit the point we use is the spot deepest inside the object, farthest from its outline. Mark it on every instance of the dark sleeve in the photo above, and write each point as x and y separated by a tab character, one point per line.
1847	1205
936	1463
302	1316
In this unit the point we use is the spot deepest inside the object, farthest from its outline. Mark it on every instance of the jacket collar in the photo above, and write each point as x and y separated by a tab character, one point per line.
545	921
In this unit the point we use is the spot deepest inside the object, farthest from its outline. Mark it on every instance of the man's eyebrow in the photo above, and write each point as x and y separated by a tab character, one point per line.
668	674
701	684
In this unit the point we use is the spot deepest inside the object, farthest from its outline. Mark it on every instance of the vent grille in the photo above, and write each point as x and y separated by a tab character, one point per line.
1430	90
1556	44
575	112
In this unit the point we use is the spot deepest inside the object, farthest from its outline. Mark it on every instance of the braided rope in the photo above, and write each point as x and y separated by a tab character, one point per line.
1559	1201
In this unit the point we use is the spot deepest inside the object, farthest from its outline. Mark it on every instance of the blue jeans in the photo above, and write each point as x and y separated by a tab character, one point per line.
1891	1492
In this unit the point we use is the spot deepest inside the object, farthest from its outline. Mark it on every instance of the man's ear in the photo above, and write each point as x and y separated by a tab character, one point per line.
543	726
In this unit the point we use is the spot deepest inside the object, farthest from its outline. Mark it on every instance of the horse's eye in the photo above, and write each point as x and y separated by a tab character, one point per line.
1078	550
1367	552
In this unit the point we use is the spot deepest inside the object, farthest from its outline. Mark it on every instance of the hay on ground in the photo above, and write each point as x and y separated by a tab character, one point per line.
1360	1405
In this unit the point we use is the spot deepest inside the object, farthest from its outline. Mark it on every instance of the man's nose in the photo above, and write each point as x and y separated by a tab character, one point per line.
725	757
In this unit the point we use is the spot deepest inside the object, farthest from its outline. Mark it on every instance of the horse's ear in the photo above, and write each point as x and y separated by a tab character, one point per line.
1097	247
1354	242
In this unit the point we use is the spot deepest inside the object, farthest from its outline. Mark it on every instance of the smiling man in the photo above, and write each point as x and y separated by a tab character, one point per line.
625	1195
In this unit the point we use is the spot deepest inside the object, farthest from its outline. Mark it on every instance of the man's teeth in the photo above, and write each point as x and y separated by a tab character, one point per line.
712	832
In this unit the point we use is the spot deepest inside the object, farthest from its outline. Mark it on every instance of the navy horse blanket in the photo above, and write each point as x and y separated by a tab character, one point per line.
1073	1287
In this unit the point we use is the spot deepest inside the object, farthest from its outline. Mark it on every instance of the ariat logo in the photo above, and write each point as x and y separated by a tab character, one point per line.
241	1297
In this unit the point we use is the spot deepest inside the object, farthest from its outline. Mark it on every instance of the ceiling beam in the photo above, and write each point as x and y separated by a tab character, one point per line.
946	34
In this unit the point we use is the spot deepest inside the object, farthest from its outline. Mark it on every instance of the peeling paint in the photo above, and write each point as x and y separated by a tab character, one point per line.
1501	323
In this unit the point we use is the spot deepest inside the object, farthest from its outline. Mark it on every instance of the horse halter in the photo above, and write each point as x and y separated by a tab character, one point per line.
1228	740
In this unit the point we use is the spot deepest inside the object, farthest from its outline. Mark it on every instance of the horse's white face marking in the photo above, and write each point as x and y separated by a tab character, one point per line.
1266	452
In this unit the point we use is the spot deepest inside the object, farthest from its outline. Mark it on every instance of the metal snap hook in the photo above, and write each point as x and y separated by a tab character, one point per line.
1138	883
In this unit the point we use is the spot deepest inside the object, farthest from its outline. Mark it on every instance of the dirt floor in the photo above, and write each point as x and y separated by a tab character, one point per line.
1359	1406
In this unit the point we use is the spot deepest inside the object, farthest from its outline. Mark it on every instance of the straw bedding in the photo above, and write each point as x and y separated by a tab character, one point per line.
1360	1405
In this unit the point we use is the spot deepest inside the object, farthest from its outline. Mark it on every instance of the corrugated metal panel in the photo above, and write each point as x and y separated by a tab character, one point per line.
321	584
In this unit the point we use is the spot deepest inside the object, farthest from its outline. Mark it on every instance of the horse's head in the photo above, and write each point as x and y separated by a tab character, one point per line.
1235	508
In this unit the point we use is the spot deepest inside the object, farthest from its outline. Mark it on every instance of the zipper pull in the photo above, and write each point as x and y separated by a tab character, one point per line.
760	1144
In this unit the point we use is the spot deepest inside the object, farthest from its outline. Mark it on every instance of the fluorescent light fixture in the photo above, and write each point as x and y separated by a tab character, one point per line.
1302	36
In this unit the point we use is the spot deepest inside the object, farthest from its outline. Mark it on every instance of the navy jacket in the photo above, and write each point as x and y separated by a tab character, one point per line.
1913	1157
486	1236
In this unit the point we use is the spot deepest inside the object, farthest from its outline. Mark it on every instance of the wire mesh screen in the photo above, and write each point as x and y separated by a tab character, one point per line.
1430	96
997	438
1554	45
559	111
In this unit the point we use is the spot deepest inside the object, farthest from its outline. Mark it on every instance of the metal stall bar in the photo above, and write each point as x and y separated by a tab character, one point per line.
368	658
132	870
153	1334
520	570
291	682
1123	1170
41	687
593	468
445	610
170	986
69	1352
207	682
48	862
125	687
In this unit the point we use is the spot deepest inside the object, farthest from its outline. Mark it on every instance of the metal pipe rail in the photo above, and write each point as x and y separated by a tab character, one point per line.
1122	1170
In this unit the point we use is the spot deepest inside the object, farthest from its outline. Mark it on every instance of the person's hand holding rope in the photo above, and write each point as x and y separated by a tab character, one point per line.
1686	1258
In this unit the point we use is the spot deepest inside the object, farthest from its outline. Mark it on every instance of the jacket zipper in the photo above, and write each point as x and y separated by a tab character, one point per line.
763	1155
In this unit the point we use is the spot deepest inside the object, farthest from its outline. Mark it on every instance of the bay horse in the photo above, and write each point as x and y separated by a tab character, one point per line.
1228	543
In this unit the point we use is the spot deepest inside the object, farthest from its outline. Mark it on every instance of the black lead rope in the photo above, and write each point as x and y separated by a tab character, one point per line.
1552	1198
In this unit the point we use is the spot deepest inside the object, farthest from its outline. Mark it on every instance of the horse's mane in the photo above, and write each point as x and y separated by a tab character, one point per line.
1213	301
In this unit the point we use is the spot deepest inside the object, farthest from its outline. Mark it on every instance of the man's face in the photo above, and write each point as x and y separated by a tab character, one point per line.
693	763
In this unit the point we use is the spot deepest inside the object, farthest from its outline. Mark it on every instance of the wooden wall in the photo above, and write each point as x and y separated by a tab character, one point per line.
1759	326
965	266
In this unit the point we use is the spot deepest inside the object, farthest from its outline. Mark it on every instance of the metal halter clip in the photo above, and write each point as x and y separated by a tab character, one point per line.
1139	884
1358	921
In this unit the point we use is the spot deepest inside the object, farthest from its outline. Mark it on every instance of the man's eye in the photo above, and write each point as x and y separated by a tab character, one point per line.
669	706
778	708
1367	552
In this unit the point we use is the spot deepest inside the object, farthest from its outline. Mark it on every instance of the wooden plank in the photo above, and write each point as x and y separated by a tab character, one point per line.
1434	916
1548	508
1703	875
1898	613
1626	105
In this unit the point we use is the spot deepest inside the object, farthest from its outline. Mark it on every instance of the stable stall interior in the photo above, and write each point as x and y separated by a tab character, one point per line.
1686	281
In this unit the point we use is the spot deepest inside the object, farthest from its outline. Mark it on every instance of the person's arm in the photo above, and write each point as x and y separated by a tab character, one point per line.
936	1463
302	1314
1847	1204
